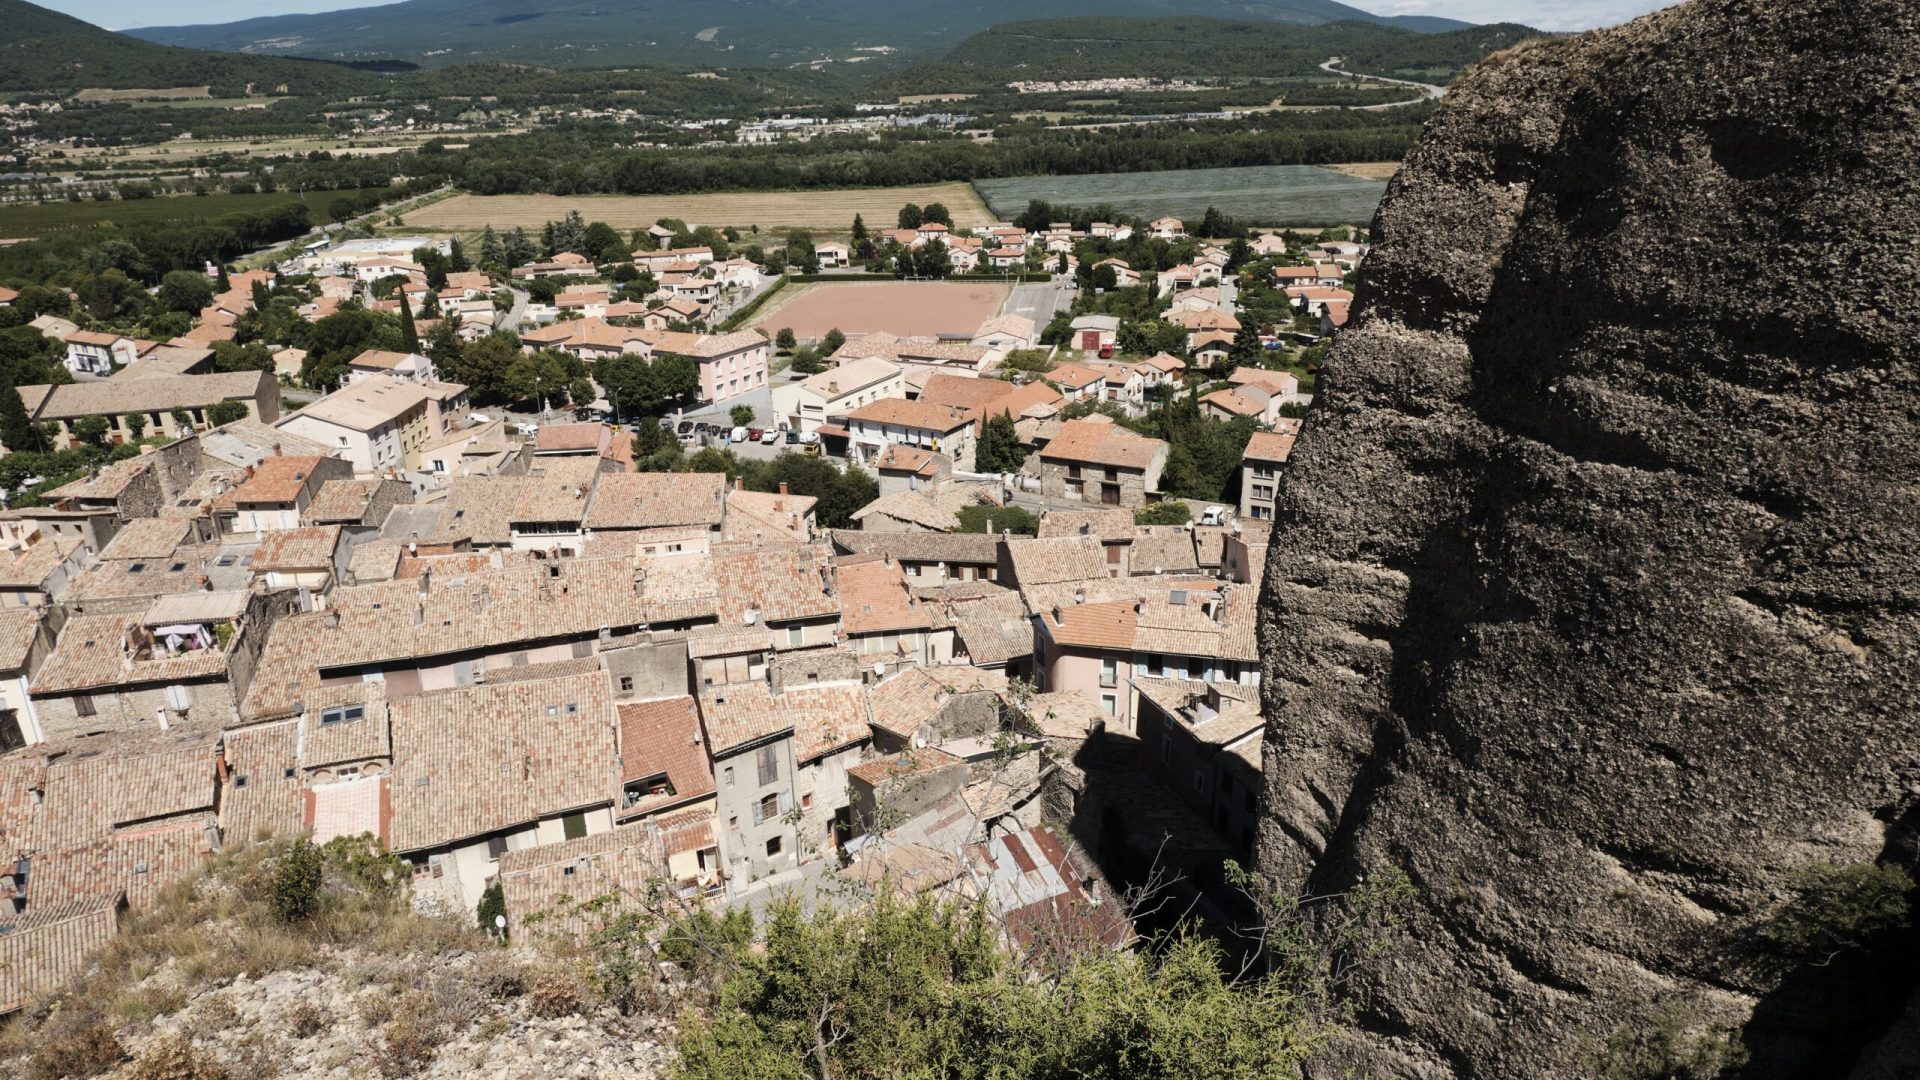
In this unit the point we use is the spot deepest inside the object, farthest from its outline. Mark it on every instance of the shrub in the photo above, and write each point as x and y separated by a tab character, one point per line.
294	894
741	415
1837	908
493	905
307	1019
173	1057
1171	512
411	1038
553	994
88	1050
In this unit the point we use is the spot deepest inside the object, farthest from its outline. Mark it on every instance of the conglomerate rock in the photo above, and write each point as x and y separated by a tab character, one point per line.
1595	584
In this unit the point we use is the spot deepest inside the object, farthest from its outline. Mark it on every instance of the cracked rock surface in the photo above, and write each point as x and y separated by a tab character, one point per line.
1594	589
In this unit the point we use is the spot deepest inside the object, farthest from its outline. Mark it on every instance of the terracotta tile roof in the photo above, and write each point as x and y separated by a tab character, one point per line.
548	888
664	737
1057	559
44	948
768	516
1235	402
523	601
149	395
307	548
342	502
18	629
1162	549
344	741
1075	376
1036	395
1278	383
93	652
107	483
478	760
915	545
165	360
30	566
1106	525
260	798
556	490
1270	446
369	403
936	508
779	582
895	766
559	438
874	599
851	376
654	500
480	509
1108	625
1103	444
920	415
148	538
822	717
964	392
899	457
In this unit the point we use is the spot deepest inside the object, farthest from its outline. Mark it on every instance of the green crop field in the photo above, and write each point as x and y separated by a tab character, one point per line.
1261	195
27	221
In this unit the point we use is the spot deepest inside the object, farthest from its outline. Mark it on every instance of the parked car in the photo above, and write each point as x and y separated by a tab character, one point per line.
529	429
769	437
811	438
583	414
1213	515
793	438
739	434
753	434
687	428
811	449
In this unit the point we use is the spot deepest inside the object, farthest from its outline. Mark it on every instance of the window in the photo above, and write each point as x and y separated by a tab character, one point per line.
806	802
1109	704
770	806
769	765
496	846
796	635
626	683
136	568
1199	782
1109	672
733	823
1197	668
574	826
1166	749
83	705
341	714
728	774
773	846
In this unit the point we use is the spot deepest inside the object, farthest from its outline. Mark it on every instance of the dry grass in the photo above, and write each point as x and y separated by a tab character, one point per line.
1367	170
828	211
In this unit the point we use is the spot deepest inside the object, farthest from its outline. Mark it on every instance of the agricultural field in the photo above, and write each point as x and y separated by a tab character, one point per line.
902	308
1260	195
27	221
828	211
1368	170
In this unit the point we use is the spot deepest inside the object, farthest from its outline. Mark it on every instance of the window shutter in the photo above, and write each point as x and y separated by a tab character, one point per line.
756	812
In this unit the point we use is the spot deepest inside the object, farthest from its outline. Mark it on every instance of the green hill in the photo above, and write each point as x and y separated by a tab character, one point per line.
1091	48
730	33
44	51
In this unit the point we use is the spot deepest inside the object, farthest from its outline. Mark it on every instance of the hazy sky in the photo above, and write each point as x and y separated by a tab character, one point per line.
1545	14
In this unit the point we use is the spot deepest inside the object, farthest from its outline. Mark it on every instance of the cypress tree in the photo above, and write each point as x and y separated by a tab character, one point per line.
409	336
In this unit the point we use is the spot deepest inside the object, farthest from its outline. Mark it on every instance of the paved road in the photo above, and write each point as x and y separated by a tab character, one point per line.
1427	89
521	298
1039	301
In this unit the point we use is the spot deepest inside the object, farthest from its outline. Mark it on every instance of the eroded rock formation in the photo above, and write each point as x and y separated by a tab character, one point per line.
1595	586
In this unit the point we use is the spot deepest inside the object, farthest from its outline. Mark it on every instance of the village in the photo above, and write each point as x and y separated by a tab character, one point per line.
535	667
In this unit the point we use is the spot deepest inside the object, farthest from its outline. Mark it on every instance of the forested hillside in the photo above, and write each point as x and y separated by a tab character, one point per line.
45	51
736	33
1103	47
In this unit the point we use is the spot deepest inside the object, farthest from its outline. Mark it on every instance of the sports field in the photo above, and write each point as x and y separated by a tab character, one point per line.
1259	195
831	211
903	308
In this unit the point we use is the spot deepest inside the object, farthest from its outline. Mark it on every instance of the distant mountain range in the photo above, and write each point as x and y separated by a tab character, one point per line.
46	51
732	33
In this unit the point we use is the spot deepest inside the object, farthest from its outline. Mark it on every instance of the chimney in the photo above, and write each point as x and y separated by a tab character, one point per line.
276	449
1056	613
333	620
782	504
739	483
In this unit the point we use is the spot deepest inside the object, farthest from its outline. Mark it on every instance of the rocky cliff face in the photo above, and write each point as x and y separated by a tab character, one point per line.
1595	586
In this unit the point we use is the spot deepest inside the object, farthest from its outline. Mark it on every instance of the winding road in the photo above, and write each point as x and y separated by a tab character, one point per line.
1431	92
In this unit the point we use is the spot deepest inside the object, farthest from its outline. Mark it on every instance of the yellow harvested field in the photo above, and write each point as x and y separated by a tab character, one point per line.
97	94
1367	170
822	210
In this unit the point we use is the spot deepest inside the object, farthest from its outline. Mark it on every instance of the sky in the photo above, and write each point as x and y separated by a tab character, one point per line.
1544	14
